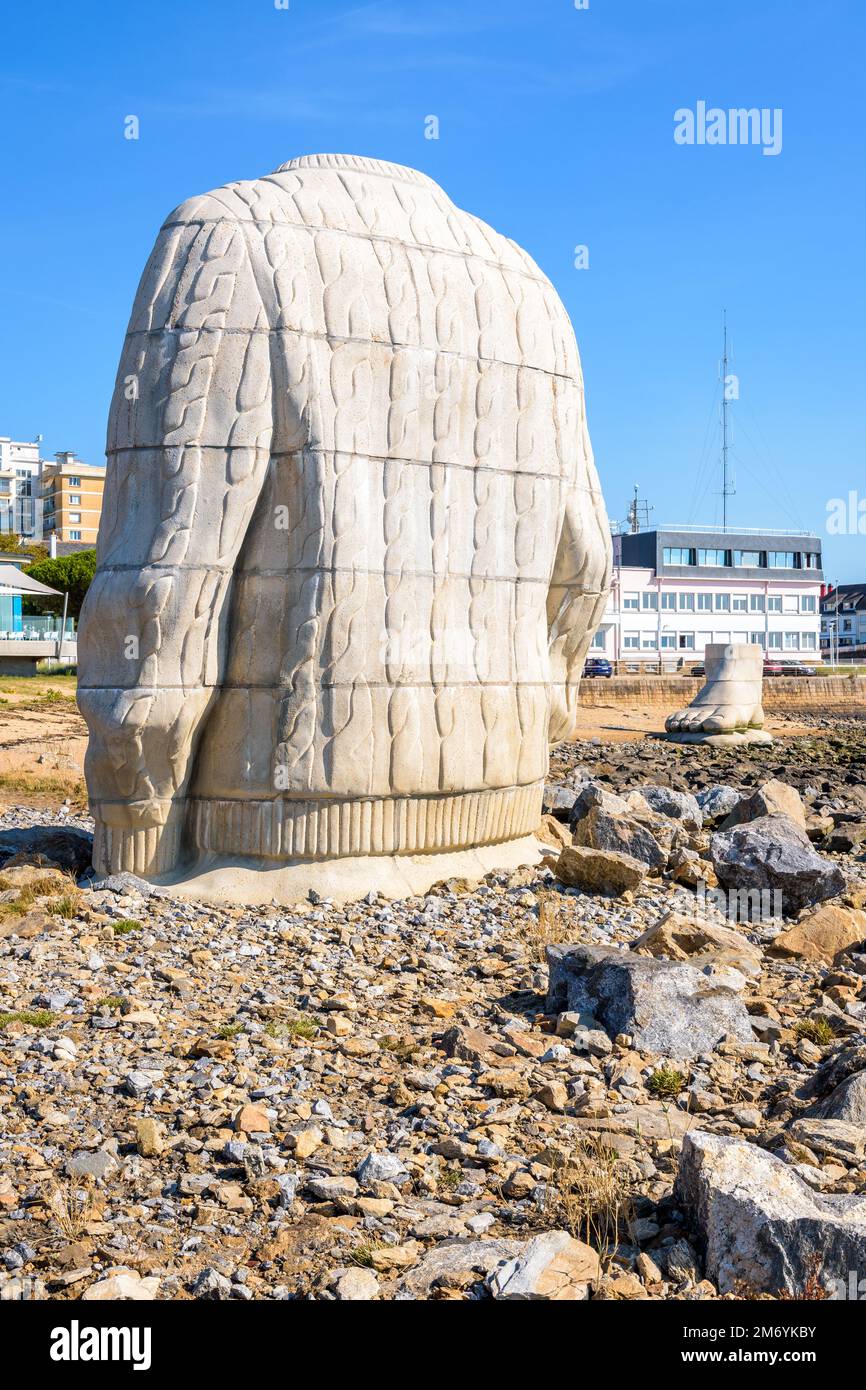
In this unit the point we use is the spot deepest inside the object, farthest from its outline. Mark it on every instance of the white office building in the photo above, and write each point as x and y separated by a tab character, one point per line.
677	589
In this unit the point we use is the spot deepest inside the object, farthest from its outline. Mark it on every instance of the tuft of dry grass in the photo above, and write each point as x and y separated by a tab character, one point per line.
550	925
59	786
592	1195
71	1204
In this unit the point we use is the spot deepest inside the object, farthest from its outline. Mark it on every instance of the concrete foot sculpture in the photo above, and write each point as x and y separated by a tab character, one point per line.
353	547
728	709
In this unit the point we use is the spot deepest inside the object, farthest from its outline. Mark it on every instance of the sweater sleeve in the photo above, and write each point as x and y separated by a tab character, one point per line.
578	588
188	446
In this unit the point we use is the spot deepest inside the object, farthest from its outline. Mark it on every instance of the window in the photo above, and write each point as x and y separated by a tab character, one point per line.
756	603
669	601
686	641
757	638
723	603
774	641
751	559
741	603
631	641
630	603
703	640
811	561
705	603
597	643
678	555
740	637
686	603
790	603
75	516
75	482
714	557
75	535
723	637
808	642
808	603
774	603
792	641
669	642
782	559
649	601
648	641
75	499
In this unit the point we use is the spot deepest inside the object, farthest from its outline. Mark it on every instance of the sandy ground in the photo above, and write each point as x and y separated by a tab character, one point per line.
43	737
616	723
42	741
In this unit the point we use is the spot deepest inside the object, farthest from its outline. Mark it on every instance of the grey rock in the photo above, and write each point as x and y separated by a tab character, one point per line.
211	1284
775	854
137	1083
455	1257
99	1165
847	1102
380	1167
552	1266
623	834
762	1226
717	802
557	800
680	806
669	1007
124	884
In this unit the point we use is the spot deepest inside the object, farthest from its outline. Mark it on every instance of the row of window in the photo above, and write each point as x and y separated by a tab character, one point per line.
741	559
682	602
690	641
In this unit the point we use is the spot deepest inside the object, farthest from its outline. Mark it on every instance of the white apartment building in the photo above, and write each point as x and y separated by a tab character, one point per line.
677	589
20	470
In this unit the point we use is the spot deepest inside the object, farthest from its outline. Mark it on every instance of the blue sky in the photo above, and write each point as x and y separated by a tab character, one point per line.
555	125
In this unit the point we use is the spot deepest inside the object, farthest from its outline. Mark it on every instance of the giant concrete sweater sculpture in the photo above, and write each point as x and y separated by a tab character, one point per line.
353	546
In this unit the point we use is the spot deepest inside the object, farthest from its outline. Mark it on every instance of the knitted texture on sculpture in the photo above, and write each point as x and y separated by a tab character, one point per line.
353	546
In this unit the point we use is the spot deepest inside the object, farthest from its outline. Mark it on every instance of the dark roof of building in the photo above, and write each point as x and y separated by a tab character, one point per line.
73	547
847	595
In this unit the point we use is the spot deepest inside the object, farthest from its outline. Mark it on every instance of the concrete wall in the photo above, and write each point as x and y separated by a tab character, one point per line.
815	693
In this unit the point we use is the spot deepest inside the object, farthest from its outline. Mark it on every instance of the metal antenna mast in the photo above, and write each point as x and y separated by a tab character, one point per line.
727	486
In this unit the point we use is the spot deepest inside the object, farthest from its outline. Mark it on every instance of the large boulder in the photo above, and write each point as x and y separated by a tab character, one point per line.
669	1008
774	854
823	935
764	1230
625	834
598	870
680	806
773	798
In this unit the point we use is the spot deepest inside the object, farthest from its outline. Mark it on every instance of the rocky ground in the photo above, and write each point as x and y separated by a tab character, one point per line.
436	1098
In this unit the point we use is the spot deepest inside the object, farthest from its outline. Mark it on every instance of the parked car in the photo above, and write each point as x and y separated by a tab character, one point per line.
773	668
597	666
798	668
699	670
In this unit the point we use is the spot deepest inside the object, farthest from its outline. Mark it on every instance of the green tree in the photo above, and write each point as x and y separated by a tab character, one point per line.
70	574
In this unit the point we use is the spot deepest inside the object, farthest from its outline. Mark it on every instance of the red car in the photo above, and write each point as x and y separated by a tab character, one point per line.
773	668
